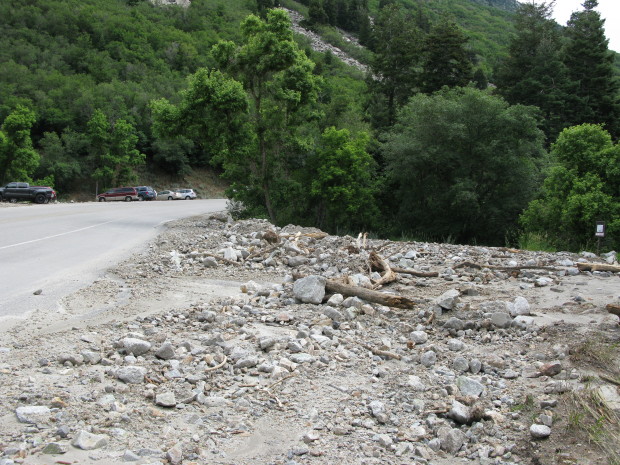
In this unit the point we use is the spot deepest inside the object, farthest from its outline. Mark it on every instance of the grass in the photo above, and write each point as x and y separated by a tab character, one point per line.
589	415
599	354
536	242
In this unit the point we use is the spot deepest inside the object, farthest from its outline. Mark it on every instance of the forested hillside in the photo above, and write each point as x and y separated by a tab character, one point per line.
422	145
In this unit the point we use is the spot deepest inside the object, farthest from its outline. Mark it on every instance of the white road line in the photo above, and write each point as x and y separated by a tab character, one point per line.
55	235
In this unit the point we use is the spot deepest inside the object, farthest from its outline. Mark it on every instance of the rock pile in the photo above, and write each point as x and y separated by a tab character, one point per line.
290	373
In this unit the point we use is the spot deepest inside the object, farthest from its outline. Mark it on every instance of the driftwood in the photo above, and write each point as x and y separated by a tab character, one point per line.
598	267
369	295
505	268
379	264
418	274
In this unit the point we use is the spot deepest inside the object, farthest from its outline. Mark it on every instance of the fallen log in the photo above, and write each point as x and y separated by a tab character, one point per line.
614	309
505	268
598	267
417	274
389	300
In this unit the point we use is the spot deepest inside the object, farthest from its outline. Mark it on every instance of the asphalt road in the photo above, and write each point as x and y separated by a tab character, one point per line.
61	248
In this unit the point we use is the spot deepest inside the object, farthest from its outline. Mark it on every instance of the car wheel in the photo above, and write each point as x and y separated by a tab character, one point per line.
169	197
39	198
101	199
140	198
187	197
13	200
128	198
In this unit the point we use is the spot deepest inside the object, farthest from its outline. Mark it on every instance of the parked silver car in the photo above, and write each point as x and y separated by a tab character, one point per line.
168	195
187	194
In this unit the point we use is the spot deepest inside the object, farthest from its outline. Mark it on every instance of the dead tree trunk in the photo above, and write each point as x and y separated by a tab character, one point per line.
369	295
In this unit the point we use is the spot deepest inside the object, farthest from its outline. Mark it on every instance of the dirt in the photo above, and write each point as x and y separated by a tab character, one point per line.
318	412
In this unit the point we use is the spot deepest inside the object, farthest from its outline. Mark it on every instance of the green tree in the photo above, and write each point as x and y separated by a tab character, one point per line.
343	184
446	60
18	159
533	73
396	64
581	188
281	87
113	150
210	114
463	164
591	65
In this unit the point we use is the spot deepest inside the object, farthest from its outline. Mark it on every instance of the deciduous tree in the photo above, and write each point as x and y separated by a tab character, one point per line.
581	188
18	159
463	164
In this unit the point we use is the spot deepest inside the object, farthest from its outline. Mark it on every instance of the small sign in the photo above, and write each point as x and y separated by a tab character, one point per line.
600	229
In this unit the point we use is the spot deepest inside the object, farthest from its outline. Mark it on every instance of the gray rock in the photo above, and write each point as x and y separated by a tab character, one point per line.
332	313
428	358
523	322
131	374
165	351
520	306
376	408
90	357
456	345
454	323
385	440
136	346
175	455
310	289
451	439
88	441
302	358
469	387
353	302
460	364
266	342
335	300
130	456
475	365
33	414
495	306
416	383
294	262
209	262
540	431
166	399
448	299
460	413
55	448
419	337
247	362
501	320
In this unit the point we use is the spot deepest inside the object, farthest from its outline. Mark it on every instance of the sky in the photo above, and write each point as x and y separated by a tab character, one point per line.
609	10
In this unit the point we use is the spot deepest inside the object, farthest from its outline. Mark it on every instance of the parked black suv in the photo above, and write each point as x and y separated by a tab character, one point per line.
146	193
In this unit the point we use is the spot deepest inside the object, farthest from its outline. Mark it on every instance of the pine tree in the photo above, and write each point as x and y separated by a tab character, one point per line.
398	46
533	73
590	65
446	61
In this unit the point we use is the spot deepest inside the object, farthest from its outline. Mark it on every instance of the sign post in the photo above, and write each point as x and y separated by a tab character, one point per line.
599	234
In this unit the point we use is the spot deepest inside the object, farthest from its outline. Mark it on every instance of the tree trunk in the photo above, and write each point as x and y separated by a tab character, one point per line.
598	267
369	295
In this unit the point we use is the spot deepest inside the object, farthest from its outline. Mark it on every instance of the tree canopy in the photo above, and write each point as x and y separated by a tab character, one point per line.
580	189
463	164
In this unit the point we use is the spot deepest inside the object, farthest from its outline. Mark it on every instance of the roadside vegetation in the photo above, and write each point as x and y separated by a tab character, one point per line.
98	93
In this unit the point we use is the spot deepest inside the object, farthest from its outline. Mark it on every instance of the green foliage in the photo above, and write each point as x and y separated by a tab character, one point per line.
397	60
446	61
113	152
590	65
18	159
462	163
533	73
281	87
343	185
580	189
